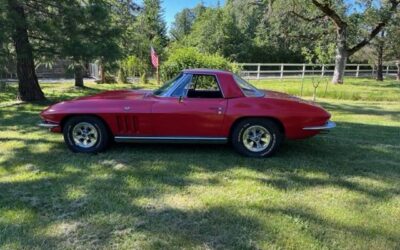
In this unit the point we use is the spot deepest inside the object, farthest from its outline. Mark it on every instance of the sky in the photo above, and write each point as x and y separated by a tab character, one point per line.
171	7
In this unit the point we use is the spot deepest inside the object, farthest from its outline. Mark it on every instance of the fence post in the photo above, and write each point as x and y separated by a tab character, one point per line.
323	70
387	69
358	70
282	70
304	71
373	70
258	71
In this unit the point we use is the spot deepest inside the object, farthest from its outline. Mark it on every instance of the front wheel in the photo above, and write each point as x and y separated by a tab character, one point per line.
257	137
85	134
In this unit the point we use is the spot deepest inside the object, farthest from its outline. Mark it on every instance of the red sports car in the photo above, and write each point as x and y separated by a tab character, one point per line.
197	106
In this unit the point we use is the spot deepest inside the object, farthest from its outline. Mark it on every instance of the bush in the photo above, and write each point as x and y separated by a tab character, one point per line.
189	57
143	78
122	77
133	66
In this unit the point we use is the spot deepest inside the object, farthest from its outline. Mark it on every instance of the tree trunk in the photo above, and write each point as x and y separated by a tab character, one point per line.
102	73
379	72
341	55
28	85
78	76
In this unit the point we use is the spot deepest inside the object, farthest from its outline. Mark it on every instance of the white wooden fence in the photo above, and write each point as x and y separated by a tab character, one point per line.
301	70
279	70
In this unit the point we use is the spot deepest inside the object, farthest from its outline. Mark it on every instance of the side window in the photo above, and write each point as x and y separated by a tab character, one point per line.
182	85
204	86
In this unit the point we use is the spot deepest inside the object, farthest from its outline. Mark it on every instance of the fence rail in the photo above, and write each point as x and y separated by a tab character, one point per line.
301	70
270	70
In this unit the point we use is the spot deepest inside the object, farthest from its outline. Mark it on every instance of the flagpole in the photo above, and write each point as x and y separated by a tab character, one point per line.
158	75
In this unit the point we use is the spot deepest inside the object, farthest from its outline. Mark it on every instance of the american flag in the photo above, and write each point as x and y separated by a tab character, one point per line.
154	58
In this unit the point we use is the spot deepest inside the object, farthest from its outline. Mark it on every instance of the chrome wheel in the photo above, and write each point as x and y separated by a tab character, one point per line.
85	135
256	138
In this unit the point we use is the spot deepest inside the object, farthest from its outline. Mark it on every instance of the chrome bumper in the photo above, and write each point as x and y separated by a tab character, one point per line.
328	125
45	124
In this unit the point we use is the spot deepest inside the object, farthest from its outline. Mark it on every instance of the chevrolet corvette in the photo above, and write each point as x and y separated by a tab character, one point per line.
197	106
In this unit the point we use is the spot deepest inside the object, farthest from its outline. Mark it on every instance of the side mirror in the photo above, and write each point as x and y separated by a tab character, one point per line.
180	99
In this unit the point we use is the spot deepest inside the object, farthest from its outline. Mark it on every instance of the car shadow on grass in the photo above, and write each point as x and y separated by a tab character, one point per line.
361	110
117	197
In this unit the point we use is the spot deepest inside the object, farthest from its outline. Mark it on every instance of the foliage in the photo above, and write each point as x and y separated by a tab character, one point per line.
72	30
182	24
87	33
320	53
122	76
388	38
133	66
143	78
5	41
150	31
354	28
145	29
188	57
241	31
392	40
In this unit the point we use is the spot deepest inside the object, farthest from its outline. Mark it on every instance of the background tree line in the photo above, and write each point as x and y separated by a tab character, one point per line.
118	34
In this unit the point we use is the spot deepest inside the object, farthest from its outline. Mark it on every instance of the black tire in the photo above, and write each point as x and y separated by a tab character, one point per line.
275	137
102	136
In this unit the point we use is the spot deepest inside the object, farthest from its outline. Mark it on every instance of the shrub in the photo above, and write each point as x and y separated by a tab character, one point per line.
190	57
122	77
143	78
133	66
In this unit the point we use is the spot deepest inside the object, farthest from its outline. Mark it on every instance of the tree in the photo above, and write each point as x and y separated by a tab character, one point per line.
150	30
153	25
241	30
392	43
384	48
182	25
6	56
207	34
28	85
339	12
189	57
87	33
47	30
374	54
380	45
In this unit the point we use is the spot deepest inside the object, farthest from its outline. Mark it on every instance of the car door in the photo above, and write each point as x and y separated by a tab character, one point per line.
195	110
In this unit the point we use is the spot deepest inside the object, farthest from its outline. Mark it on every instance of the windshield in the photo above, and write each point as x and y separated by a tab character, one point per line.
248	89
164	88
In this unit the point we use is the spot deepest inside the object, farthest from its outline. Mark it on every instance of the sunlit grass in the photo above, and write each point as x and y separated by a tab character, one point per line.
334	191
353	88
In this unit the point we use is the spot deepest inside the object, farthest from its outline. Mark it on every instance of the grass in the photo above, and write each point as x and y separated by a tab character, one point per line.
334	191
363	89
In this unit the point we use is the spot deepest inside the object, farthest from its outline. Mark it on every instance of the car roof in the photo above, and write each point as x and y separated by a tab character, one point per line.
206	71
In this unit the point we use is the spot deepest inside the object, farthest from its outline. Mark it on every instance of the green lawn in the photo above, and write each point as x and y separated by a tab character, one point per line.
354	88
334	191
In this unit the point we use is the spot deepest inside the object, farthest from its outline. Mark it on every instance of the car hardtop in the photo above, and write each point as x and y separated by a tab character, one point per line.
207	71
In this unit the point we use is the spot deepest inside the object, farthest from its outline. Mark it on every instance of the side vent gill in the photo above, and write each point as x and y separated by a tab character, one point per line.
126	124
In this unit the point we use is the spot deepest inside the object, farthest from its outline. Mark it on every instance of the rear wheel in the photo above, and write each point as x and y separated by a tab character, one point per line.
257	137
85	134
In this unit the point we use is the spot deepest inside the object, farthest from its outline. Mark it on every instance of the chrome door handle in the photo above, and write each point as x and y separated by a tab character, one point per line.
216	108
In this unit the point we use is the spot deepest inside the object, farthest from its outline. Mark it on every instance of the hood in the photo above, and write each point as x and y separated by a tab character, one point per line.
93	101
117	94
